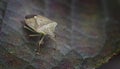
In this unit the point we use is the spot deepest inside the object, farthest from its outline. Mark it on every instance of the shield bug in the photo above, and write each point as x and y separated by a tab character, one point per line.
40	25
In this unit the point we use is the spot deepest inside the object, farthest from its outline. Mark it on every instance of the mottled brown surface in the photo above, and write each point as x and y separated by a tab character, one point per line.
87	35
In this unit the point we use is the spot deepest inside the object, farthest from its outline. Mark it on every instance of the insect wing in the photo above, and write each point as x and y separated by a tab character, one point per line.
48	29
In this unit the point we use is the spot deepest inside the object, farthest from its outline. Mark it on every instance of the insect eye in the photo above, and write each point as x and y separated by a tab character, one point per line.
29	16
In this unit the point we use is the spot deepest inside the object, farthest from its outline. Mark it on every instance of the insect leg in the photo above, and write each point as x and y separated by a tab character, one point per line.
34	35
40	34
41	39
29	28
40	42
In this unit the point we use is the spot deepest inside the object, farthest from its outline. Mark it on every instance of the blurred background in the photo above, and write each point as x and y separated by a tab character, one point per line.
114	63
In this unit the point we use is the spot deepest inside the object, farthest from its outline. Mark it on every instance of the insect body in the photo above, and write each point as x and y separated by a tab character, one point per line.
41	25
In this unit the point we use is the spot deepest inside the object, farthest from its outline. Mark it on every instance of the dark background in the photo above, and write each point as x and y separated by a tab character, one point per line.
114	9
114	63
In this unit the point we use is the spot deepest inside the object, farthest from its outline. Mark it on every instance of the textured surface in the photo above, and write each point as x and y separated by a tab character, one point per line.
86	36
2	10
114	63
